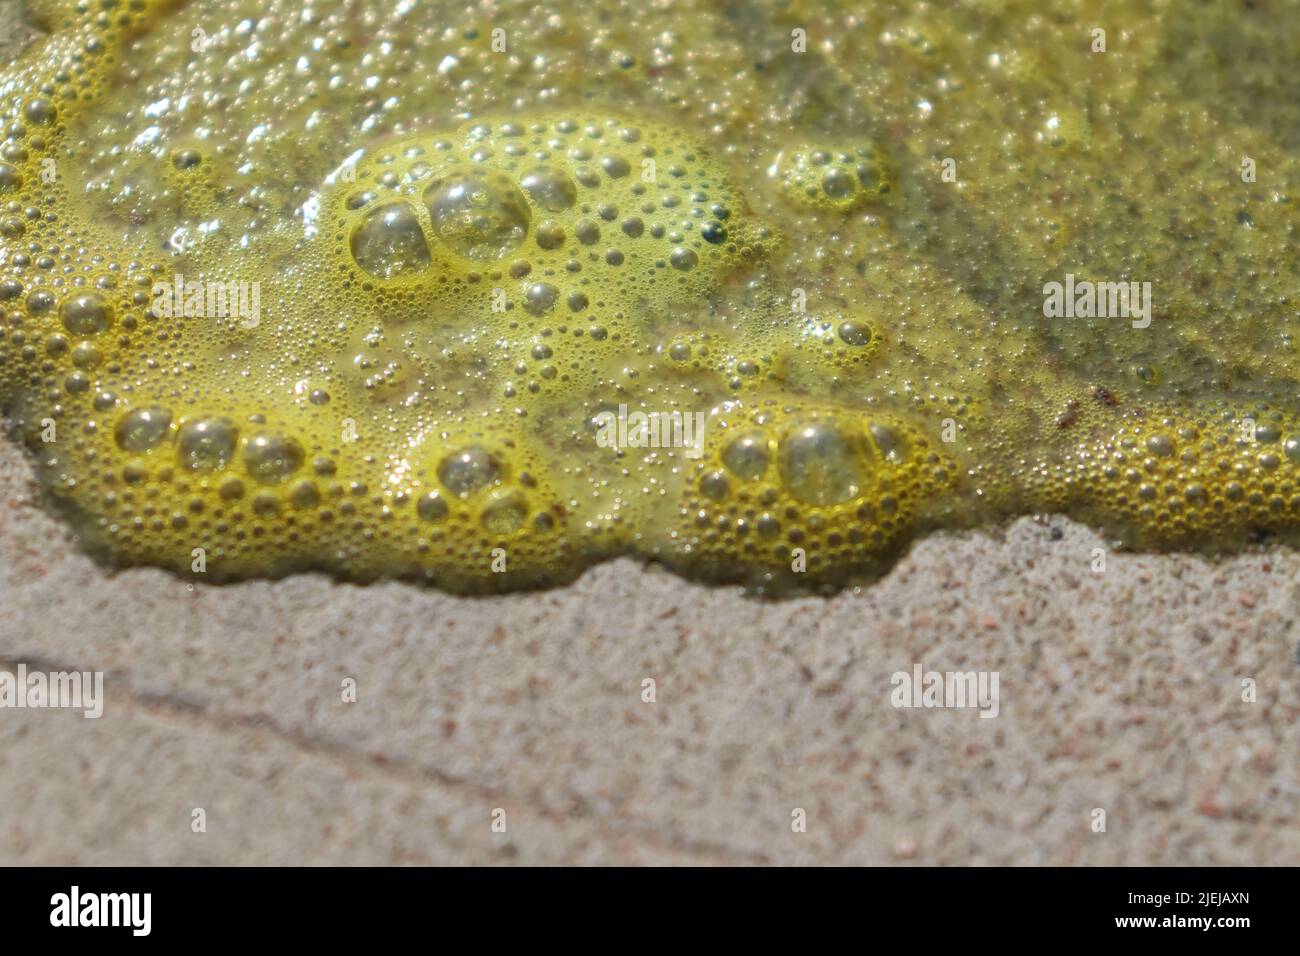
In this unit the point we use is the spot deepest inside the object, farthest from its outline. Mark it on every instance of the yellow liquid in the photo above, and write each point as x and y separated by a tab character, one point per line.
759	291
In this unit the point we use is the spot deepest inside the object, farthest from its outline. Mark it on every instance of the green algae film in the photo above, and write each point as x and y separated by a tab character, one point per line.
758	291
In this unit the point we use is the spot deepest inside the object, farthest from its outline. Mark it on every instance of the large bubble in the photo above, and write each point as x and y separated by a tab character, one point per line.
481	215
819	465
551	188
206	443
389	242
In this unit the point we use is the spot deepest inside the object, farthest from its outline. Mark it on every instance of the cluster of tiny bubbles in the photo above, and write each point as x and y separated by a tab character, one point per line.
833	178
779	477
571	210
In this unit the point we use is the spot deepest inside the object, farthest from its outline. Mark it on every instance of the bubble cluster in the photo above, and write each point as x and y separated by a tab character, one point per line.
808	488
834	178
555	206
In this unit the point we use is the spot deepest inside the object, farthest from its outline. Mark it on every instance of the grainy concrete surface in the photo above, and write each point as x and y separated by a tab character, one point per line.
1120	691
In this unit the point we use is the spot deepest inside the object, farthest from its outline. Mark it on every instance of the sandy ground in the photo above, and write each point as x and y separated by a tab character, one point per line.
1119	691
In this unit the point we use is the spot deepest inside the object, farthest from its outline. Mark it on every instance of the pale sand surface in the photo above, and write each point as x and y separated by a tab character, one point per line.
1119	691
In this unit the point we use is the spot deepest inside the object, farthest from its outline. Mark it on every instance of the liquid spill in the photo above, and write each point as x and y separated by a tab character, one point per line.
760	291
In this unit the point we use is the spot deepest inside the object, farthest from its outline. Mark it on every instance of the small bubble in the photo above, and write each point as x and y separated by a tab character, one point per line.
505	514
431	507
714	485
270	458
304	494
468	470
713	232
854	333
1161	445
550	235
39	111
683	259
85	356
540	298
186	158
85	314
616	167
10	178
838	184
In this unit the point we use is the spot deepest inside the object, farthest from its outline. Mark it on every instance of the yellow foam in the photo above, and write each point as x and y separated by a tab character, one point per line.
289	288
